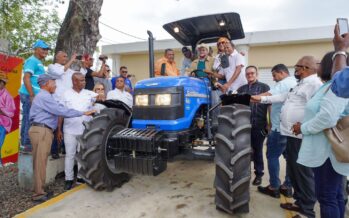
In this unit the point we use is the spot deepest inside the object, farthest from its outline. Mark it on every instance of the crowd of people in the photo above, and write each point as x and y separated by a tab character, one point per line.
292	115
56	103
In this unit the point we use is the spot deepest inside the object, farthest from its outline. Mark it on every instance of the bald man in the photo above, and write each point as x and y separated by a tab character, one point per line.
61	71
81	99
292	112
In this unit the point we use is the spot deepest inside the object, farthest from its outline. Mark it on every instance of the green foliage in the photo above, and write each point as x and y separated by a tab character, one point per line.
25	21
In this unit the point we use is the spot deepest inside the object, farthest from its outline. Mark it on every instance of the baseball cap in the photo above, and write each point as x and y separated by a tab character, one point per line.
41	44
185	49
44	78
3	78
203	45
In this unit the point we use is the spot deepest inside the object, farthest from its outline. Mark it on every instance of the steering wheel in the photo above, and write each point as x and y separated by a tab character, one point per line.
195	72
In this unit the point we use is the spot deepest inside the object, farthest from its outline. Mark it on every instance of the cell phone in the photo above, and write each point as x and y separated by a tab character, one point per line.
343	26
78	57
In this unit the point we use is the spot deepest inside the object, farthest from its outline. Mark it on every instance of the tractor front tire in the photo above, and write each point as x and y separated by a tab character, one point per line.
233	159
97	169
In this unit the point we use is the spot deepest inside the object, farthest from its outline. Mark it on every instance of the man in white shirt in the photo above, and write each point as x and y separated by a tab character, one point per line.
79	99
232	73
62	72
292	111
119	93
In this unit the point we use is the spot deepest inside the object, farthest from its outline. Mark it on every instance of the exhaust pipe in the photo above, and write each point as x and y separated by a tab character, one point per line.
151	53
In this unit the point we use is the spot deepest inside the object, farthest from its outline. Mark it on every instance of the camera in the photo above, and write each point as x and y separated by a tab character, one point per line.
103	58
78	57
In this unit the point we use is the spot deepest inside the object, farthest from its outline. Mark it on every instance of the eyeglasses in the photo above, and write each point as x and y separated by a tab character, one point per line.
301	66
99	89
123	71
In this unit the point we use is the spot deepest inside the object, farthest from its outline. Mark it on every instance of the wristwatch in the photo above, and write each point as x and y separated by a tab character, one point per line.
339	53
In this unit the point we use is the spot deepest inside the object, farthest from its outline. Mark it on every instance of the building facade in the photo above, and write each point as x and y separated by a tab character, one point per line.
263	49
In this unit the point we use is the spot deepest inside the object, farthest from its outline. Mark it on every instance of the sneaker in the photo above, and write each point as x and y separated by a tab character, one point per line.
257	180
285	191
68	184
275	193
80	181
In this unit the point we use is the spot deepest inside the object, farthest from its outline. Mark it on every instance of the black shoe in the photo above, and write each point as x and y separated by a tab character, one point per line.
287	192
268	191
257	180
68	184
80	181
55	156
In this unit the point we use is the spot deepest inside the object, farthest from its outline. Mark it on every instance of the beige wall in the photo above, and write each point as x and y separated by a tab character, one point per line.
268	56
261	56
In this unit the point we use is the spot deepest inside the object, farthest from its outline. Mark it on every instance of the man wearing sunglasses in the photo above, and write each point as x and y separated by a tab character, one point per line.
123	73
292	111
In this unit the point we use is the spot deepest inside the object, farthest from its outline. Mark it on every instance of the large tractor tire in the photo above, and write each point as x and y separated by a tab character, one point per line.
97	169
233	159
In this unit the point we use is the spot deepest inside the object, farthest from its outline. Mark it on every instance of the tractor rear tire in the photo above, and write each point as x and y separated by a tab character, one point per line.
233	159
96	169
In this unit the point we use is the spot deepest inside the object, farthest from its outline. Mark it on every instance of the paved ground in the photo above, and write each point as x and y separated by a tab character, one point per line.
184	190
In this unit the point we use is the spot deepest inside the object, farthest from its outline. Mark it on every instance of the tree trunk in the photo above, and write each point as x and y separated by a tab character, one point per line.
79	32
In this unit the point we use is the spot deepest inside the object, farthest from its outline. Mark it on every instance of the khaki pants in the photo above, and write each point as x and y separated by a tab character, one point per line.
41	140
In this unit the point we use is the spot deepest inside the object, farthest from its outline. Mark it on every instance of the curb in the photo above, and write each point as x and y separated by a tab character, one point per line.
50	202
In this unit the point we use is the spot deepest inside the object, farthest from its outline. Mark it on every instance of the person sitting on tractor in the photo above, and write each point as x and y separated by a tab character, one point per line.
232	72
166	66
202	66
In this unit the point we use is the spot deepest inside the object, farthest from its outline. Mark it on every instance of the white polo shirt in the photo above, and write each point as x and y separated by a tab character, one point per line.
294	101
123	96
63	79
81	101
235	60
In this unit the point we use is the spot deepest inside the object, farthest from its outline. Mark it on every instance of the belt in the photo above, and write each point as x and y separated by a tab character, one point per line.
42	125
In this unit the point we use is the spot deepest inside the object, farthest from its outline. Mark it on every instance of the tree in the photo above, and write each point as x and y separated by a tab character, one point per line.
80	32
25	21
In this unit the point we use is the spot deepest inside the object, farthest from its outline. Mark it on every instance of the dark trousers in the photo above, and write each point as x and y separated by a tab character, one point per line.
329	191
257	140
302	178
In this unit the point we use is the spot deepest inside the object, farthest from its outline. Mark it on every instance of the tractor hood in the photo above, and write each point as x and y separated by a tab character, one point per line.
169	81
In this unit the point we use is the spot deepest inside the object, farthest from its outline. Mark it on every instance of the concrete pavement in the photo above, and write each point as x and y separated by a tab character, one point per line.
184	190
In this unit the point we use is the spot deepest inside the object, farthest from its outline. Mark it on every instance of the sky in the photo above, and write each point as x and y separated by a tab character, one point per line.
135	17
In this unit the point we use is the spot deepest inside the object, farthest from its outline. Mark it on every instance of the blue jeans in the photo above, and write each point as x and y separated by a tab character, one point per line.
2	139
276	146
329	191
25	141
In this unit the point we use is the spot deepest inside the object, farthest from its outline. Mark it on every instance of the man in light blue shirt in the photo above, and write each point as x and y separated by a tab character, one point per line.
186	63
276	143
33	67
44	118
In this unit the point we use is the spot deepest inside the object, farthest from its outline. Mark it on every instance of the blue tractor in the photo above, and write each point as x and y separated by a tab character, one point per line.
172	116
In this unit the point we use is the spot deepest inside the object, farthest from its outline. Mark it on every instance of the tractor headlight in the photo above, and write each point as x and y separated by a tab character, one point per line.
142	100
163	99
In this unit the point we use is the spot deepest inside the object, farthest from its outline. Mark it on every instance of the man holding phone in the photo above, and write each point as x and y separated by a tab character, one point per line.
61	71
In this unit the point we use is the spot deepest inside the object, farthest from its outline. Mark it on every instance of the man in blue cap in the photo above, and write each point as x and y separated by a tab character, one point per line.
33	67
44	114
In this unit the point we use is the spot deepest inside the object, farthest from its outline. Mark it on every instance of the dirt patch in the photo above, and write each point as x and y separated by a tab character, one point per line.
14	199
180	206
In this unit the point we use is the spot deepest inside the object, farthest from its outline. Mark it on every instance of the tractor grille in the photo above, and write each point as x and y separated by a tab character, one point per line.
136	151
